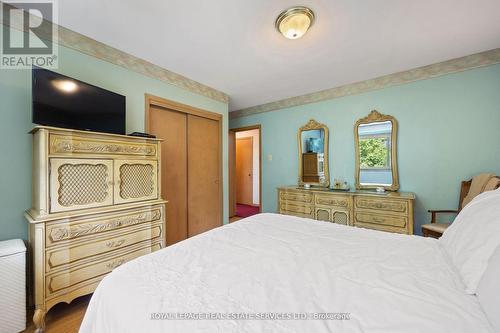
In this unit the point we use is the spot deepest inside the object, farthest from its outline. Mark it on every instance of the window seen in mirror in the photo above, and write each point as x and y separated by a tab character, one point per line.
375	145
374	152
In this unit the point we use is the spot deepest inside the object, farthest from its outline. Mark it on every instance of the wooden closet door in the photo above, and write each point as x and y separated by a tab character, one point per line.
171	126
204	202
244	171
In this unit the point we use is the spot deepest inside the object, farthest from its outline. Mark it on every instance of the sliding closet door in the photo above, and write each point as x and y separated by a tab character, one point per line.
204	197
171	126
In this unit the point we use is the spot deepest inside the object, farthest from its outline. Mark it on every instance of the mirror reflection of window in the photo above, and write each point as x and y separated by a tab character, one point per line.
375	153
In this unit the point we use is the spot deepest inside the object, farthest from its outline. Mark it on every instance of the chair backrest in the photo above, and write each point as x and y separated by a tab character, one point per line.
464	190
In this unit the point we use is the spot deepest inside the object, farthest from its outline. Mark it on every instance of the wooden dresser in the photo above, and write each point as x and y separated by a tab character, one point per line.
312	168
96	204
390	211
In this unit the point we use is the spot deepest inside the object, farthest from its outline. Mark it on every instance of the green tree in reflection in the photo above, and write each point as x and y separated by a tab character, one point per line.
374	153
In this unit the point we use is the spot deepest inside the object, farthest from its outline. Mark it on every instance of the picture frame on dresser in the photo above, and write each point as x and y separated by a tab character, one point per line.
96	204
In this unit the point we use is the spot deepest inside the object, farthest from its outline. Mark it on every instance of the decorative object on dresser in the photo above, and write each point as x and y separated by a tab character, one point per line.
96	204
375	142
482	183
392	211
340	185
313	154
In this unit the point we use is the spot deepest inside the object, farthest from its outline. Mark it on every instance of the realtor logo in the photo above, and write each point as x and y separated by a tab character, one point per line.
29	34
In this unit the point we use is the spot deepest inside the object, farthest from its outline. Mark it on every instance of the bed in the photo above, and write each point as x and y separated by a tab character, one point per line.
276	273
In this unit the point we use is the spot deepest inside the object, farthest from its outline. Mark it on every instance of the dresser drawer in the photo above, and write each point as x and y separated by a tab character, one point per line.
58	233
76	145
377	219
296	196
307	216
396	206
301	210
80	275
101	244
338	201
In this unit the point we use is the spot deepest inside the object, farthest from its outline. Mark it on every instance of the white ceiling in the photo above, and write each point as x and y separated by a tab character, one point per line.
232	45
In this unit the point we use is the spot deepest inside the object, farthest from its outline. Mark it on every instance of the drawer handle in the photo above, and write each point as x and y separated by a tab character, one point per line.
118	243
116	263
378	219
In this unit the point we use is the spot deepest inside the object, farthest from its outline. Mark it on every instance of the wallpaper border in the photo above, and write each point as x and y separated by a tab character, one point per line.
91	47
481	59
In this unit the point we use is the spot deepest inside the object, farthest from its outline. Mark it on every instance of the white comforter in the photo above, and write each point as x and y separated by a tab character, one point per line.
280	264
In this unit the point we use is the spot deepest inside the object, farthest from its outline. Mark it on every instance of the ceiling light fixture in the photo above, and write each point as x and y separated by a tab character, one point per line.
294	22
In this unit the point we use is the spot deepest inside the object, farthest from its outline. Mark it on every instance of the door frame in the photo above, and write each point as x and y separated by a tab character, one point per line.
242	129
151	100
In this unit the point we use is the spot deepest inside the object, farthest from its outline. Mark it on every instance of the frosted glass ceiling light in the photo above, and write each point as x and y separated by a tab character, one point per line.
294	22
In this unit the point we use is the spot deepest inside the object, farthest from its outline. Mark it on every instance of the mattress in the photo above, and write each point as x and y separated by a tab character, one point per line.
276	273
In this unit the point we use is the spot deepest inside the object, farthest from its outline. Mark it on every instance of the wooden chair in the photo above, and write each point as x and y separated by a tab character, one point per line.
435	229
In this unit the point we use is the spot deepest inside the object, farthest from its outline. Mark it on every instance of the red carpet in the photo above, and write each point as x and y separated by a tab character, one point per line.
246	210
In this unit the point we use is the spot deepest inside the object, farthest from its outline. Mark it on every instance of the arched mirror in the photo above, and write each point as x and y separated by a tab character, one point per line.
376	147
313	154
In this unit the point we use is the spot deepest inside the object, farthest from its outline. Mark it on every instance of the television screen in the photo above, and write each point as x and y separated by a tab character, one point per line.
61	101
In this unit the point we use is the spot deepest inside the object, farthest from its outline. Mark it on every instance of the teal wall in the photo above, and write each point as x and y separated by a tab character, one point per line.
15	122
449	130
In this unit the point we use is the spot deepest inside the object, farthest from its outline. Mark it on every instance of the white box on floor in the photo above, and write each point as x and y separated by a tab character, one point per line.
12	286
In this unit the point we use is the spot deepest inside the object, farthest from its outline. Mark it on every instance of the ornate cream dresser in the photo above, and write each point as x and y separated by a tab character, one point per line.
96	204
389	211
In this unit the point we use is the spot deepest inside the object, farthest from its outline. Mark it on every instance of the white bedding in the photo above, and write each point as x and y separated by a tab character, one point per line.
280	264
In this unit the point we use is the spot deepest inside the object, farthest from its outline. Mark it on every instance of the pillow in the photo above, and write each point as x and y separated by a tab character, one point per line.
488	290
473	237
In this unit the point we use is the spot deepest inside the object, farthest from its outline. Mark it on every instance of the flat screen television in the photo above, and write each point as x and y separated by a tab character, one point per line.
61	101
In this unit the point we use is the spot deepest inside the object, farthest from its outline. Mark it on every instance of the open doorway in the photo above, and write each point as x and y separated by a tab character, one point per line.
244	172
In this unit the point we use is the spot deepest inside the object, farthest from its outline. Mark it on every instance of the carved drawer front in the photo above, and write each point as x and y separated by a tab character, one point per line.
80	183
297	196
397	206
136	180
296	208
388	220
63	232
309	216
79	276
73	253
332	200
79	145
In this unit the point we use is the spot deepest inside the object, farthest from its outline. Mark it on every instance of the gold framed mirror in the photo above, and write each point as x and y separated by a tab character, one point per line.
313	154
375	141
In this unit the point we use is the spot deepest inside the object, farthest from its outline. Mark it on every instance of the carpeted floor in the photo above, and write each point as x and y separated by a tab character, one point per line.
246	210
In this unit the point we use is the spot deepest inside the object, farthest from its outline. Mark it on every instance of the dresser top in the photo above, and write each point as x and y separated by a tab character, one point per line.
73	131
402	195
